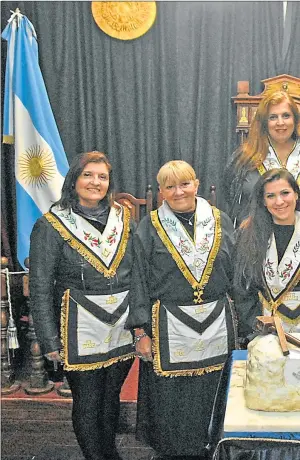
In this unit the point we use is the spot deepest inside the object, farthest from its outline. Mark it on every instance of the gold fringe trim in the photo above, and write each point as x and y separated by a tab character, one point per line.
99	365
156	353
64	340
85	252
64	313
155	337
178	259
8	139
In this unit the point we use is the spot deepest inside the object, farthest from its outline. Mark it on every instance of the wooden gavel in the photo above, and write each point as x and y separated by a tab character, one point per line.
272	324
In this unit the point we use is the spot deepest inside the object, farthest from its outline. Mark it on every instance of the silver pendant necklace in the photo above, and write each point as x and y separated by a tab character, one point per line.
189	221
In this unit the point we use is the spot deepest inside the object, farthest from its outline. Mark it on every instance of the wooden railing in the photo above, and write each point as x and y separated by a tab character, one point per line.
36	381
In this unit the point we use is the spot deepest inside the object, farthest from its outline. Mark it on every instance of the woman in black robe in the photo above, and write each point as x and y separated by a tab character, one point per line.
273	142
267	266
181	314
81	251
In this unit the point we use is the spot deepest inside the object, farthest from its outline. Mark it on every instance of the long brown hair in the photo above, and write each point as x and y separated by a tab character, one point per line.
254	150
255	231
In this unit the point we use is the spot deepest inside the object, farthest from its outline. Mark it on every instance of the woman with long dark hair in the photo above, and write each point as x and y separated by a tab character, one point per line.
273	142
80	273
267	266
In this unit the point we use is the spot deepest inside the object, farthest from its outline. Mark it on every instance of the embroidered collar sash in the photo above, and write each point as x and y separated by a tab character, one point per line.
280	279
194	257
104	251
292	165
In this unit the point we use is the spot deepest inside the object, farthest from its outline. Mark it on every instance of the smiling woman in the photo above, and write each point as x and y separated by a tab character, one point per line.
178	185
80	271
267	267
180	313
281	200
273	142
281	126
92	184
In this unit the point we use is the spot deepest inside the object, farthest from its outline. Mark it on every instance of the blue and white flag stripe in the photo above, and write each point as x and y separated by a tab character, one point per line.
44	182
40	160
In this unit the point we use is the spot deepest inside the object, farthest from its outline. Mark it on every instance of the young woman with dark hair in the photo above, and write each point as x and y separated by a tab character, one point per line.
267	266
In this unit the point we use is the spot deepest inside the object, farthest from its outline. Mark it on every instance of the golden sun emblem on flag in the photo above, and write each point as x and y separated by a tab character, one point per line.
36	166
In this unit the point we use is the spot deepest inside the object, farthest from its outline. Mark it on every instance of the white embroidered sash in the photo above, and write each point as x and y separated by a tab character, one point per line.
281	279
103	245
278	276
292	165
195	253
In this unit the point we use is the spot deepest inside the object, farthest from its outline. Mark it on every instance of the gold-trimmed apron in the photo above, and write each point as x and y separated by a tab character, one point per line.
207	348
92	330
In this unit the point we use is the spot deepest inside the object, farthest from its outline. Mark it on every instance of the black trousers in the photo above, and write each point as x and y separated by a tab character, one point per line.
96	408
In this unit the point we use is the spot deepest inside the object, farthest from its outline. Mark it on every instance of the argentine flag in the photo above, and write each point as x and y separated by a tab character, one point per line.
40	159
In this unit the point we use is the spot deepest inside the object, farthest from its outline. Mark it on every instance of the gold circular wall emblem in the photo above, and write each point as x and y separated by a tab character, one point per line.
124	20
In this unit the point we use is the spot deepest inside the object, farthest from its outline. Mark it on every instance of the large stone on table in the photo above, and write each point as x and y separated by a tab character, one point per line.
272	380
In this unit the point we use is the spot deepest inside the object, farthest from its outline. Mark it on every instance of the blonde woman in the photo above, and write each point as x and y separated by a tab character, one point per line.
180	313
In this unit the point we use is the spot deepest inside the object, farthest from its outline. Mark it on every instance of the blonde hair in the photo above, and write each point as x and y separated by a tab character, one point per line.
254	150
175	171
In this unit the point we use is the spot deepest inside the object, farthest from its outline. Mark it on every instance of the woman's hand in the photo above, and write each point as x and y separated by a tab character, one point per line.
143	349
53	356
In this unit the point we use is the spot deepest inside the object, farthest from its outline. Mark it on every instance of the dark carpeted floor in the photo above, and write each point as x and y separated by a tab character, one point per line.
34	430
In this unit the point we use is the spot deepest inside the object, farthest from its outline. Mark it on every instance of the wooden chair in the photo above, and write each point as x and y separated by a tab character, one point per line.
212	199
212	195
136	205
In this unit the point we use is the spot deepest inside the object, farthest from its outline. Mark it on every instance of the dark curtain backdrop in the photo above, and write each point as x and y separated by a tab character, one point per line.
166	95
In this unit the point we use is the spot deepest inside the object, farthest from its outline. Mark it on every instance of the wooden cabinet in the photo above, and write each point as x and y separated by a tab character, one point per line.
246	105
